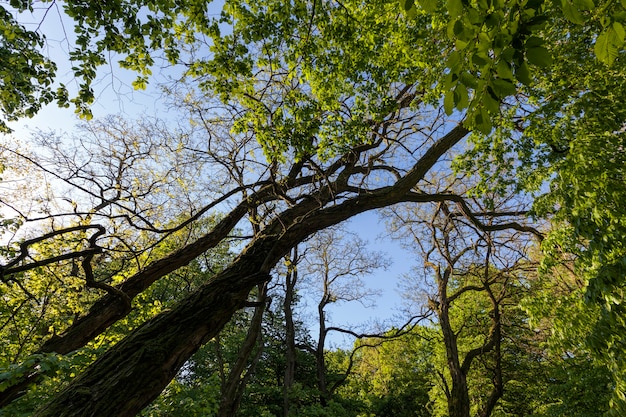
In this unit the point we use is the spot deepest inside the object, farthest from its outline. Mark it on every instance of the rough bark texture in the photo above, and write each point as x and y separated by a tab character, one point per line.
138	368
133	372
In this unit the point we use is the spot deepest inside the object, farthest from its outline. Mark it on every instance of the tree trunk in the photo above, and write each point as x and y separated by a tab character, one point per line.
133	373
232	389
458	401
320	362
496	336
290	332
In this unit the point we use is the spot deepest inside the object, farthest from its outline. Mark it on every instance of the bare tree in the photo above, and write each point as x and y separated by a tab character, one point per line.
333	265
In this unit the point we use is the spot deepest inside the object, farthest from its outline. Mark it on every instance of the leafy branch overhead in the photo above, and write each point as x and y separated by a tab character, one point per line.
494	47
500	45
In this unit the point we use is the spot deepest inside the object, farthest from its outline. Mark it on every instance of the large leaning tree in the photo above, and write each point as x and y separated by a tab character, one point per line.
313	112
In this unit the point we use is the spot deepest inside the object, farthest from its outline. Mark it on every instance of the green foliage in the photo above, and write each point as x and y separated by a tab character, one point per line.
572	379
500	46
26	74
491	48
196	396
393	378
57	369
132	29
497	46
328	63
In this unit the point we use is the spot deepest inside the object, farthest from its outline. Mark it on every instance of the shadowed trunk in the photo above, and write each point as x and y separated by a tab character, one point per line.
458	398
291	279
233	387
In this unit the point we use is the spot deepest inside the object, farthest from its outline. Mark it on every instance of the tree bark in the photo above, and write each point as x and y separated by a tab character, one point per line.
458	400
320	362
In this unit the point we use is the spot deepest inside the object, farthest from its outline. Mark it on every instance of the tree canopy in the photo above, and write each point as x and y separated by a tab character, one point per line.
296	116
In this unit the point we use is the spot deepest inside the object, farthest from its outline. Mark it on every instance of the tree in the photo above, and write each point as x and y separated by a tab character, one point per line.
334	264
496	44
291	195
344	102
474	278
291	280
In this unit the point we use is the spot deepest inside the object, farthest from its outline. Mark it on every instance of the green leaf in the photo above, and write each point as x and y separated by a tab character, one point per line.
584	4
449	81
491	101
468	79
429	6
619	31
503	88
504	70
140	83
571	12
606	46
461	97
455	7
484	42
482	121
461	44
454	59
539	56
522	73
479	59
534	41
457	28
448	102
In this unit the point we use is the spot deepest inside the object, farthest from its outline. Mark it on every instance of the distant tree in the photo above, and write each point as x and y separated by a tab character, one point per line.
334	265
473	280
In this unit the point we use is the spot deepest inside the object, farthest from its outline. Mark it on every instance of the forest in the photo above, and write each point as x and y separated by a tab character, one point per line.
195	261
